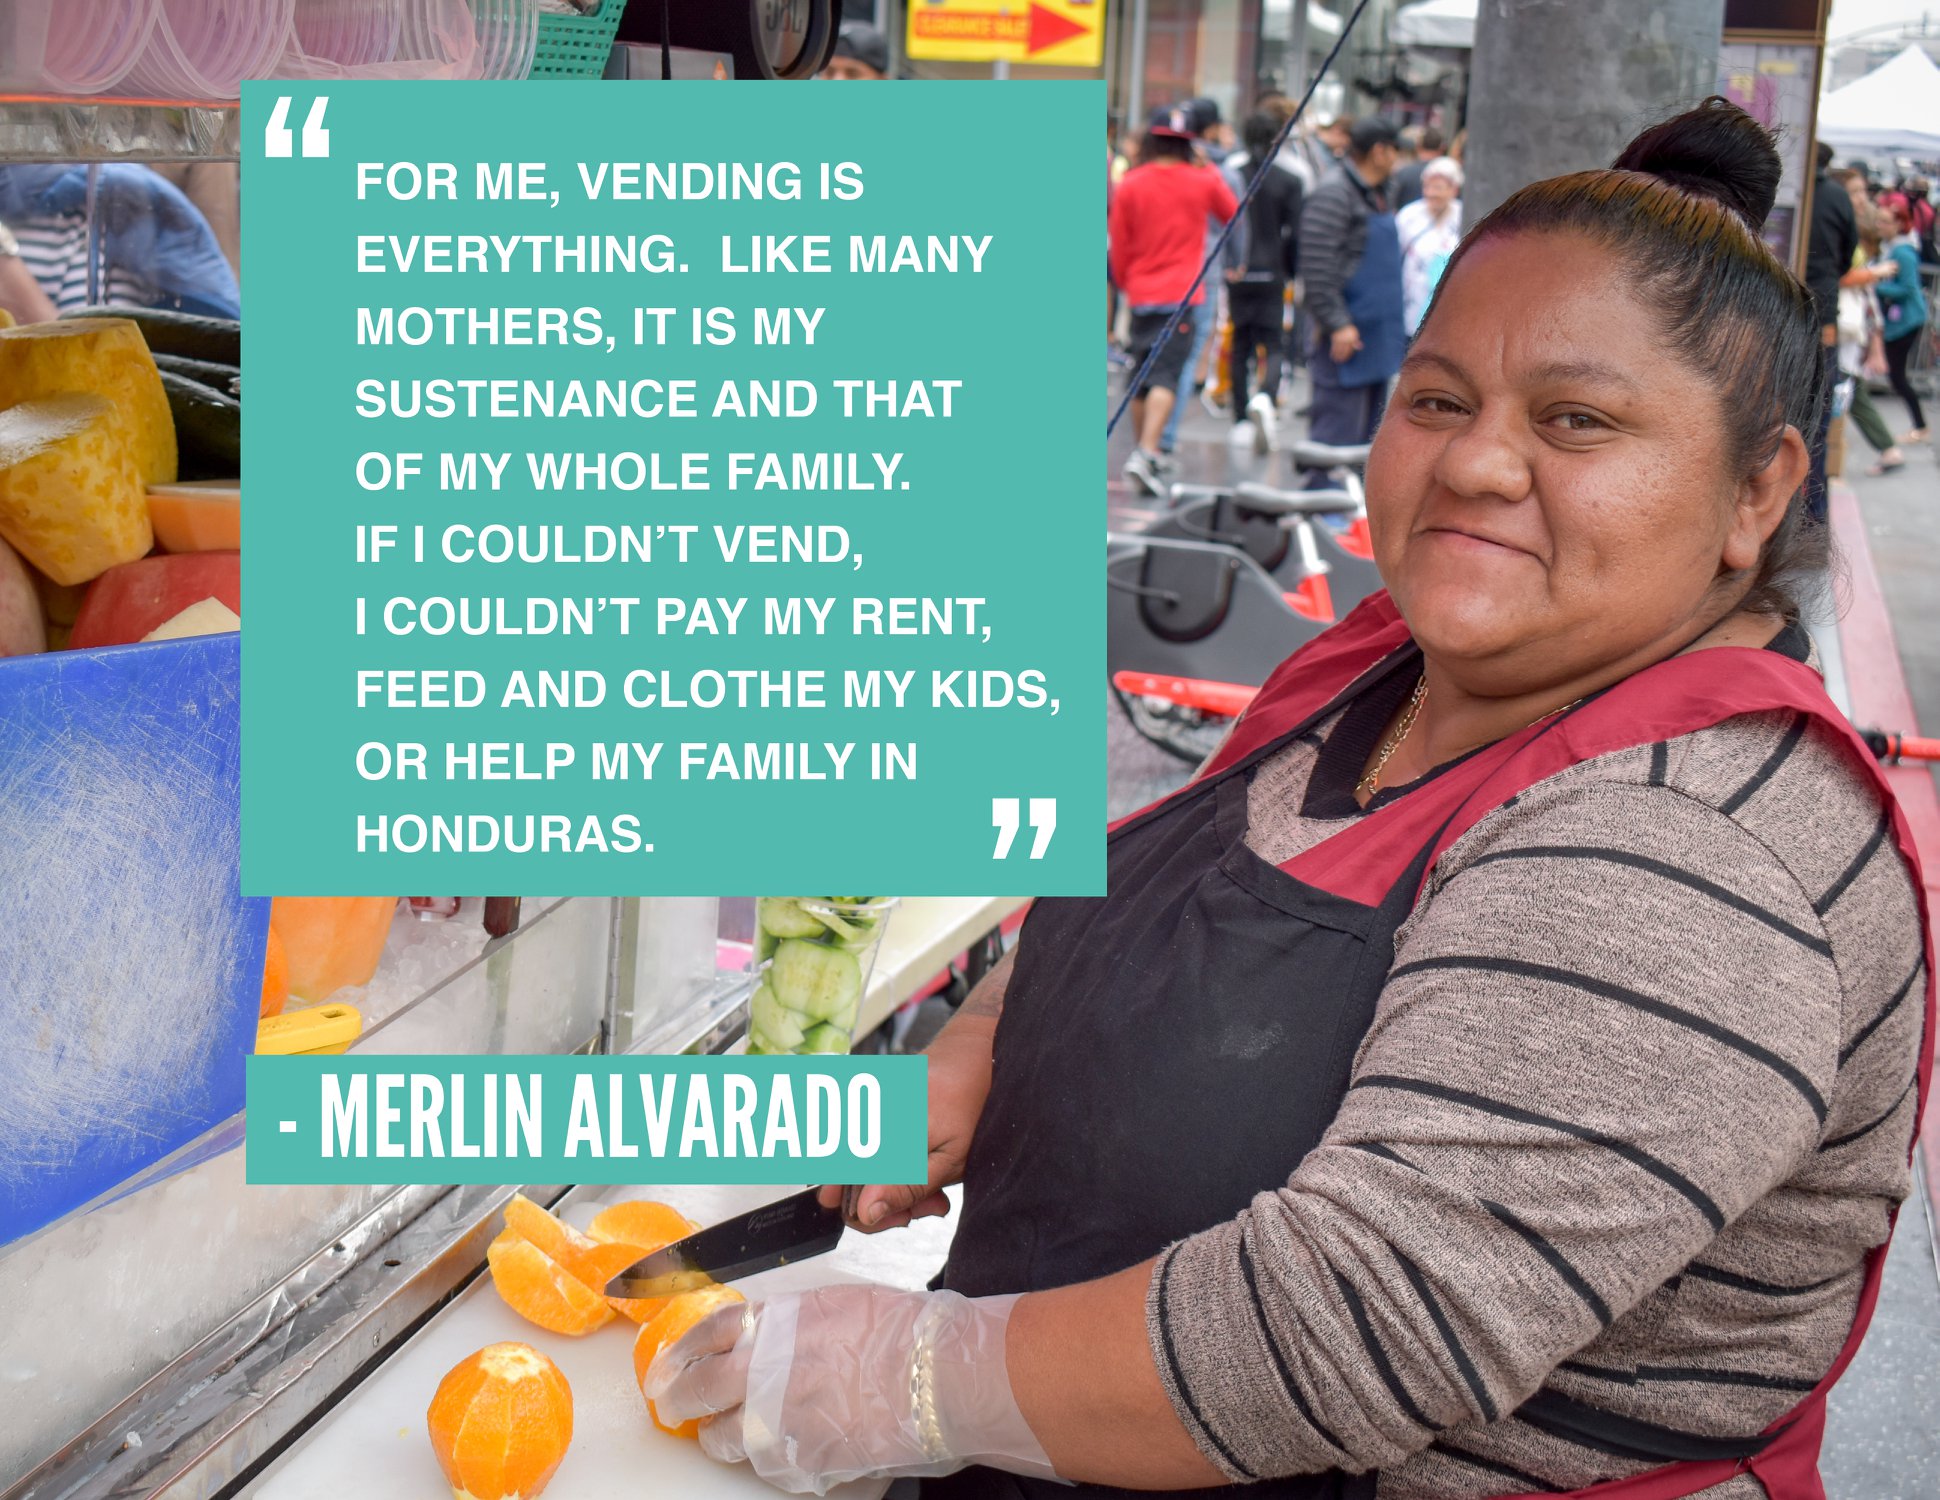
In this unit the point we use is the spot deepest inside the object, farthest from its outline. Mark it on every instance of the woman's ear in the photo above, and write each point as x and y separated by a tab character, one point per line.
1762	502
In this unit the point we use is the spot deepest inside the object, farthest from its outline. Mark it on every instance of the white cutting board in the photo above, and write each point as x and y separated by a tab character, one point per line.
373	1445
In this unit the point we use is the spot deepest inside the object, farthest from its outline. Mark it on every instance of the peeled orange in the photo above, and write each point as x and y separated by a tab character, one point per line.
677	1314
541	1291
645	1226
500	1423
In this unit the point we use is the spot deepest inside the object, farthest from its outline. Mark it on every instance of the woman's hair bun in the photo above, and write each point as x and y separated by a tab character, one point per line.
1716	151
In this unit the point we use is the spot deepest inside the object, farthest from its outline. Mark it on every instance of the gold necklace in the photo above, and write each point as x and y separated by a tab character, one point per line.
1371	782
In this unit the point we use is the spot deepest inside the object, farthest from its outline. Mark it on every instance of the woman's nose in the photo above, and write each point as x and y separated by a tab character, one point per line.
1486	458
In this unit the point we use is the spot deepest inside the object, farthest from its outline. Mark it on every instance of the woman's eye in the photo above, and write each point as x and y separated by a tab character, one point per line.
1578	421
1437	406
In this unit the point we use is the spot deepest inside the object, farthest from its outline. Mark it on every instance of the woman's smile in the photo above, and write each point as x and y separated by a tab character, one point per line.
1475	543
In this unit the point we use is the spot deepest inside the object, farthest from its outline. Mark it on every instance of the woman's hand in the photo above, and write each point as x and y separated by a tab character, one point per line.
959	1083
848	1382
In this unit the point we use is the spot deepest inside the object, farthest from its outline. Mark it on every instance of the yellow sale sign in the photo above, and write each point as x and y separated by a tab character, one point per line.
1064	33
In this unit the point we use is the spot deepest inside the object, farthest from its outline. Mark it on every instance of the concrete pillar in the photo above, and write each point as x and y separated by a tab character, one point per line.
1561	85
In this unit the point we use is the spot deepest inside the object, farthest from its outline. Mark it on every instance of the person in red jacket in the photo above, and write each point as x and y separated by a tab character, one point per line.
1158	239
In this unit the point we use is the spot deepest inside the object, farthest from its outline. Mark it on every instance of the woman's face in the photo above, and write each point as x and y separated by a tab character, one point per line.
1547	493
1439	192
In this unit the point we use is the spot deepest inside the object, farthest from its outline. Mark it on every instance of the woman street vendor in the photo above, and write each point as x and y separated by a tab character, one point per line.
1495	1073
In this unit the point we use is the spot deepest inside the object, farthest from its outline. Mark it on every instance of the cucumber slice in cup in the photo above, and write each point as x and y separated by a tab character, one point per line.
825	1038
775	1025
846	930
783	916
820	982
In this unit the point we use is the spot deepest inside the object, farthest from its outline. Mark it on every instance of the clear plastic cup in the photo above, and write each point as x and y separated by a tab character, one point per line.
204	49
349	34
813	957
508	37
434	39
85	46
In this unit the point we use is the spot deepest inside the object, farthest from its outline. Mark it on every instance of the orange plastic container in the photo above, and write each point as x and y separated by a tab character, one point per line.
276	978
330	942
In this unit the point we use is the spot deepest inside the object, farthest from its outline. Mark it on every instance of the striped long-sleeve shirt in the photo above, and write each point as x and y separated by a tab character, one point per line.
1634	1106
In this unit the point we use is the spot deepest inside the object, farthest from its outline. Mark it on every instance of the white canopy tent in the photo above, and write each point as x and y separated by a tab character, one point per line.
1434	23
1277	21
1893	111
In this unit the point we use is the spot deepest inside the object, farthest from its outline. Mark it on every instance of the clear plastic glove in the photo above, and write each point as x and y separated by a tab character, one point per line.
847	1382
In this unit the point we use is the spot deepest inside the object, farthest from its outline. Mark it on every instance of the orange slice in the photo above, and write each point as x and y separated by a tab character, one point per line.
591	1262
500	1423
677	1314
541	1291
645	1227
640	1221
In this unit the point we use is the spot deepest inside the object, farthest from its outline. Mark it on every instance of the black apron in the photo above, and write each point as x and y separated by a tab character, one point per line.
1168	1052
1176	1047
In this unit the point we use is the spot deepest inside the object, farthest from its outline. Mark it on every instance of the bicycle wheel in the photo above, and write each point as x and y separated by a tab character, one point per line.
1187	734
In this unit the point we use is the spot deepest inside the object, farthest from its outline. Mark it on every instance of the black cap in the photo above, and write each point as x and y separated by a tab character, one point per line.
860	40
1171	119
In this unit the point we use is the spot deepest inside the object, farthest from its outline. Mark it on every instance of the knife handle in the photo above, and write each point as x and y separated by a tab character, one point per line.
851	1197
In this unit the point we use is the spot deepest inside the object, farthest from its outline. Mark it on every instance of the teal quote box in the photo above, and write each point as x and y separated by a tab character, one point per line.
657	488
431	1119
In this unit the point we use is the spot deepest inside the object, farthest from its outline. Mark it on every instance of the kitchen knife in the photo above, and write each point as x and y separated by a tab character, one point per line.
775	1234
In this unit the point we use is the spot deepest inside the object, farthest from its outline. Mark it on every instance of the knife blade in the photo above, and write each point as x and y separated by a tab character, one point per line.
776	1234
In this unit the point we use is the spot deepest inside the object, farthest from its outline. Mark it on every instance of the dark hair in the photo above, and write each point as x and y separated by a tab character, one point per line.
1431	140
1681	207
1156	146
1364	135
1825	156
1257	136
861	41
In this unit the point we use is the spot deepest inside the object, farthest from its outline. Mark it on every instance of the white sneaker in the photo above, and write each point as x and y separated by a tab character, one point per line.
1266	423
1142	469
1242	435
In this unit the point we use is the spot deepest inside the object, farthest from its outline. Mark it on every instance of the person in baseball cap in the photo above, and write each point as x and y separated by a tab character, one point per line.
1214	135
1170	122
861	55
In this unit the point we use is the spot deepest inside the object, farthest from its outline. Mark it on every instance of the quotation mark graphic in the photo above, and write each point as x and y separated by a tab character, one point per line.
279	140
1005	815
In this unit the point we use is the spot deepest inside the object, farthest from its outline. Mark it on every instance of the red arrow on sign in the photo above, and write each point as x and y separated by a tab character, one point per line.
1048	28
1038	30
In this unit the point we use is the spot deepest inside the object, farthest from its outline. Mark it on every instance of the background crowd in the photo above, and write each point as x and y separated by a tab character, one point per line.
1331	265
